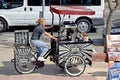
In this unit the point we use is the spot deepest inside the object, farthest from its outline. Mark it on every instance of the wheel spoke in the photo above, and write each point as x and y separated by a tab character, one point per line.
25	67
75	65
84	25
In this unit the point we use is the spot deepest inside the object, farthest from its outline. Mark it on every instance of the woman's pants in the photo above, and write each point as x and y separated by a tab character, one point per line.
42	47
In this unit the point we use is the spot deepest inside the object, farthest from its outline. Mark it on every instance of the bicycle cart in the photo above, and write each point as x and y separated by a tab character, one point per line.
70	52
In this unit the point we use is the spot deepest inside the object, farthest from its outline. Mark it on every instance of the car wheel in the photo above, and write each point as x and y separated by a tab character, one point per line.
3	25
84	25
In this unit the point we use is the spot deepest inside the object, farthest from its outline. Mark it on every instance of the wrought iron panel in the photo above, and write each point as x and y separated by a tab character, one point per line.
83	49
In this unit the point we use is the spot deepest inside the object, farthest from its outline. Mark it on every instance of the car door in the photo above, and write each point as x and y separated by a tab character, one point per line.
34	7
33	10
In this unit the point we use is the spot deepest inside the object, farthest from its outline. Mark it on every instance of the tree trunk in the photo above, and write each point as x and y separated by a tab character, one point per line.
109	20
112	9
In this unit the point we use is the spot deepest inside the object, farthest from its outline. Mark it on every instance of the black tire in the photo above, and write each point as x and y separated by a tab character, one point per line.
84	25
24	68
72	63
3	25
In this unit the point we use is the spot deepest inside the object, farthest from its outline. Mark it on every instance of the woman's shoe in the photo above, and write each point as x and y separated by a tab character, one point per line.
41	59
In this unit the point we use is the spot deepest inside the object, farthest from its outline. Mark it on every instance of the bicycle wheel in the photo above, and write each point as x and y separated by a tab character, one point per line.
75	65
25	65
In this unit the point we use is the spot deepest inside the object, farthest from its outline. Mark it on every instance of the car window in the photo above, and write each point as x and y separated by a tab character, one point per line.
116	22
34	2
81	2
39	2
9	4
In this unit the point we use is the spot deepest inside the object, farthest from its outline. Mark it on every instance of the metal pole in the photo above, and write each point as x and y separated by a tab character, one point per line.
43	8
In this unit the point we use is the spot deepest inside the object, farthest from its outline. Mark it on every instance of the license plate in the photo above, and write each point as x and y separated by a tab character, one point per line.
116	30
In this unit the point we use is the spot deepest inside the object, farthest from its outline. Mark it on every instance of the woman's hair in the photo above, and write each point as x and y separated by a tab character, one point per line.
84	34
40	21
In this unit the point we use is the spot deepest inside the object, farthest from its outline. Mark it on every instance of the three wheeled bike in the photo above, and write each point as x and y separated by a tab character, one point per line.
70	52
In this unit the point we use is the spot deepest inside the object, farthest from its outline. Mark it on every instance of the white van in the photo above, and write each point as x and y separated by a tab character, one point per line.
26	12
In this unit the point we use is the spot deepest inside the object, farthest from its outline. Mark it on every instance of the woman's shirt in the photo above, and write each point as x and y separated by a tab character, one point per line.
37	32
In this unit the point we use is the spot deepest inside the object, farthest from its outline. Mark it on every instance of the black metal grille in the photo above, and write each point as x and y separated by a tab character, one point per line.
21	37
82	49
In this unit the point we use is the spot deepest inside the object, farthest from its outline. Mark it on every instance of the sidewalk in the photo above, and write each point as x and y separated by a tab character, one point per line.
97	71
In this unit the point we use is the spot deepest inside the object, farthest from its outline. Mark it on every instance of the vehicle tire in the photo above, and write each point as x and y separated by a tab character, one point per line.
3	25
75	65
24	67
84	25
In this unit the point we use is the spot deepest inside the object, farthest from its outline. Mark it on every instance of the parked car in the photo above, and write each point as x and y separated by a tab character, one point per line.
115	30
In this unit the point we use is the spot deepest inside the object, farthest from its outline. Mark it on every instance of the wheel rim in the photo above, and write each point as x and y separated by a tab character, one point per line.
1	25
25	67
75	66
83	26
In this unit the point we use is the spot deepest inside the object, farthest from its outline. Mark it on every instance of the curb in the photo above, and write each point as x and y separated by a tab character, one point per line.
99	57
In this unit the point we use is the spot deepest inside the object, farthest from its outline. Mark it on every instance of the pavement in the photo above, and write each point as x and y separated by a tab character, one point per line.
98	70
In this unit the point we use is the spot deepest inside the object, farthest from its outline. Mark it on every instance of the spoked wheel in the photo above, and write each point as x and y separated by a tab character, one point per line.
25	66
75	65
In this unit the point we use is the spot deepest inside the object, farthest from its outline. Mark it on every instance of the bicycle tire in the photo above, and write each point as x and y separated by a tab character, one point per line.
75	65
25	68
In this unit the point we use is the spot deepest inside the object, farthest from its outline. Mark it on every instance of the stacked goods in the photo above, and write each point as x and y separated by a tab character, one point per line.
113	45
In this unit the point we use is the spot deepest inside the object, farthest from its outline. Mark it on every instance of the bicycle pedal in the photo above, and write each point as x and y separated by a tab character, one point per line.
37	67
39	64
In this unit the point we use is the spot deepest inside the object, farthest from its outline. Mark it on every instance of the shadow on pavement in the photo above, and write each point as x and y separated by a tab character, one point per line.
49	72
7	68
99	73
49	69
98	41
93	30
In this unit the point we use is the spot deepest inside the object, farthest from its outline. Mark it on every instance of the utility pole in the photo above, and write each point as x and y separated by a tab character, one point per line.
42	12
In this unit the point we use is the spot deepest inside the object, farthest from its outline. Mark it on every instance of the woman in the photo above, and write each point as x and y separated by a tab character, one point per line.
41	46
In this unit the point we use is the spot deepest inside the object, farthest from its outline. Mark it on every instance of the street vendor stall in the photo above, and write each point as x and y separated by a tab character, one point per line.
71	50
71	53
